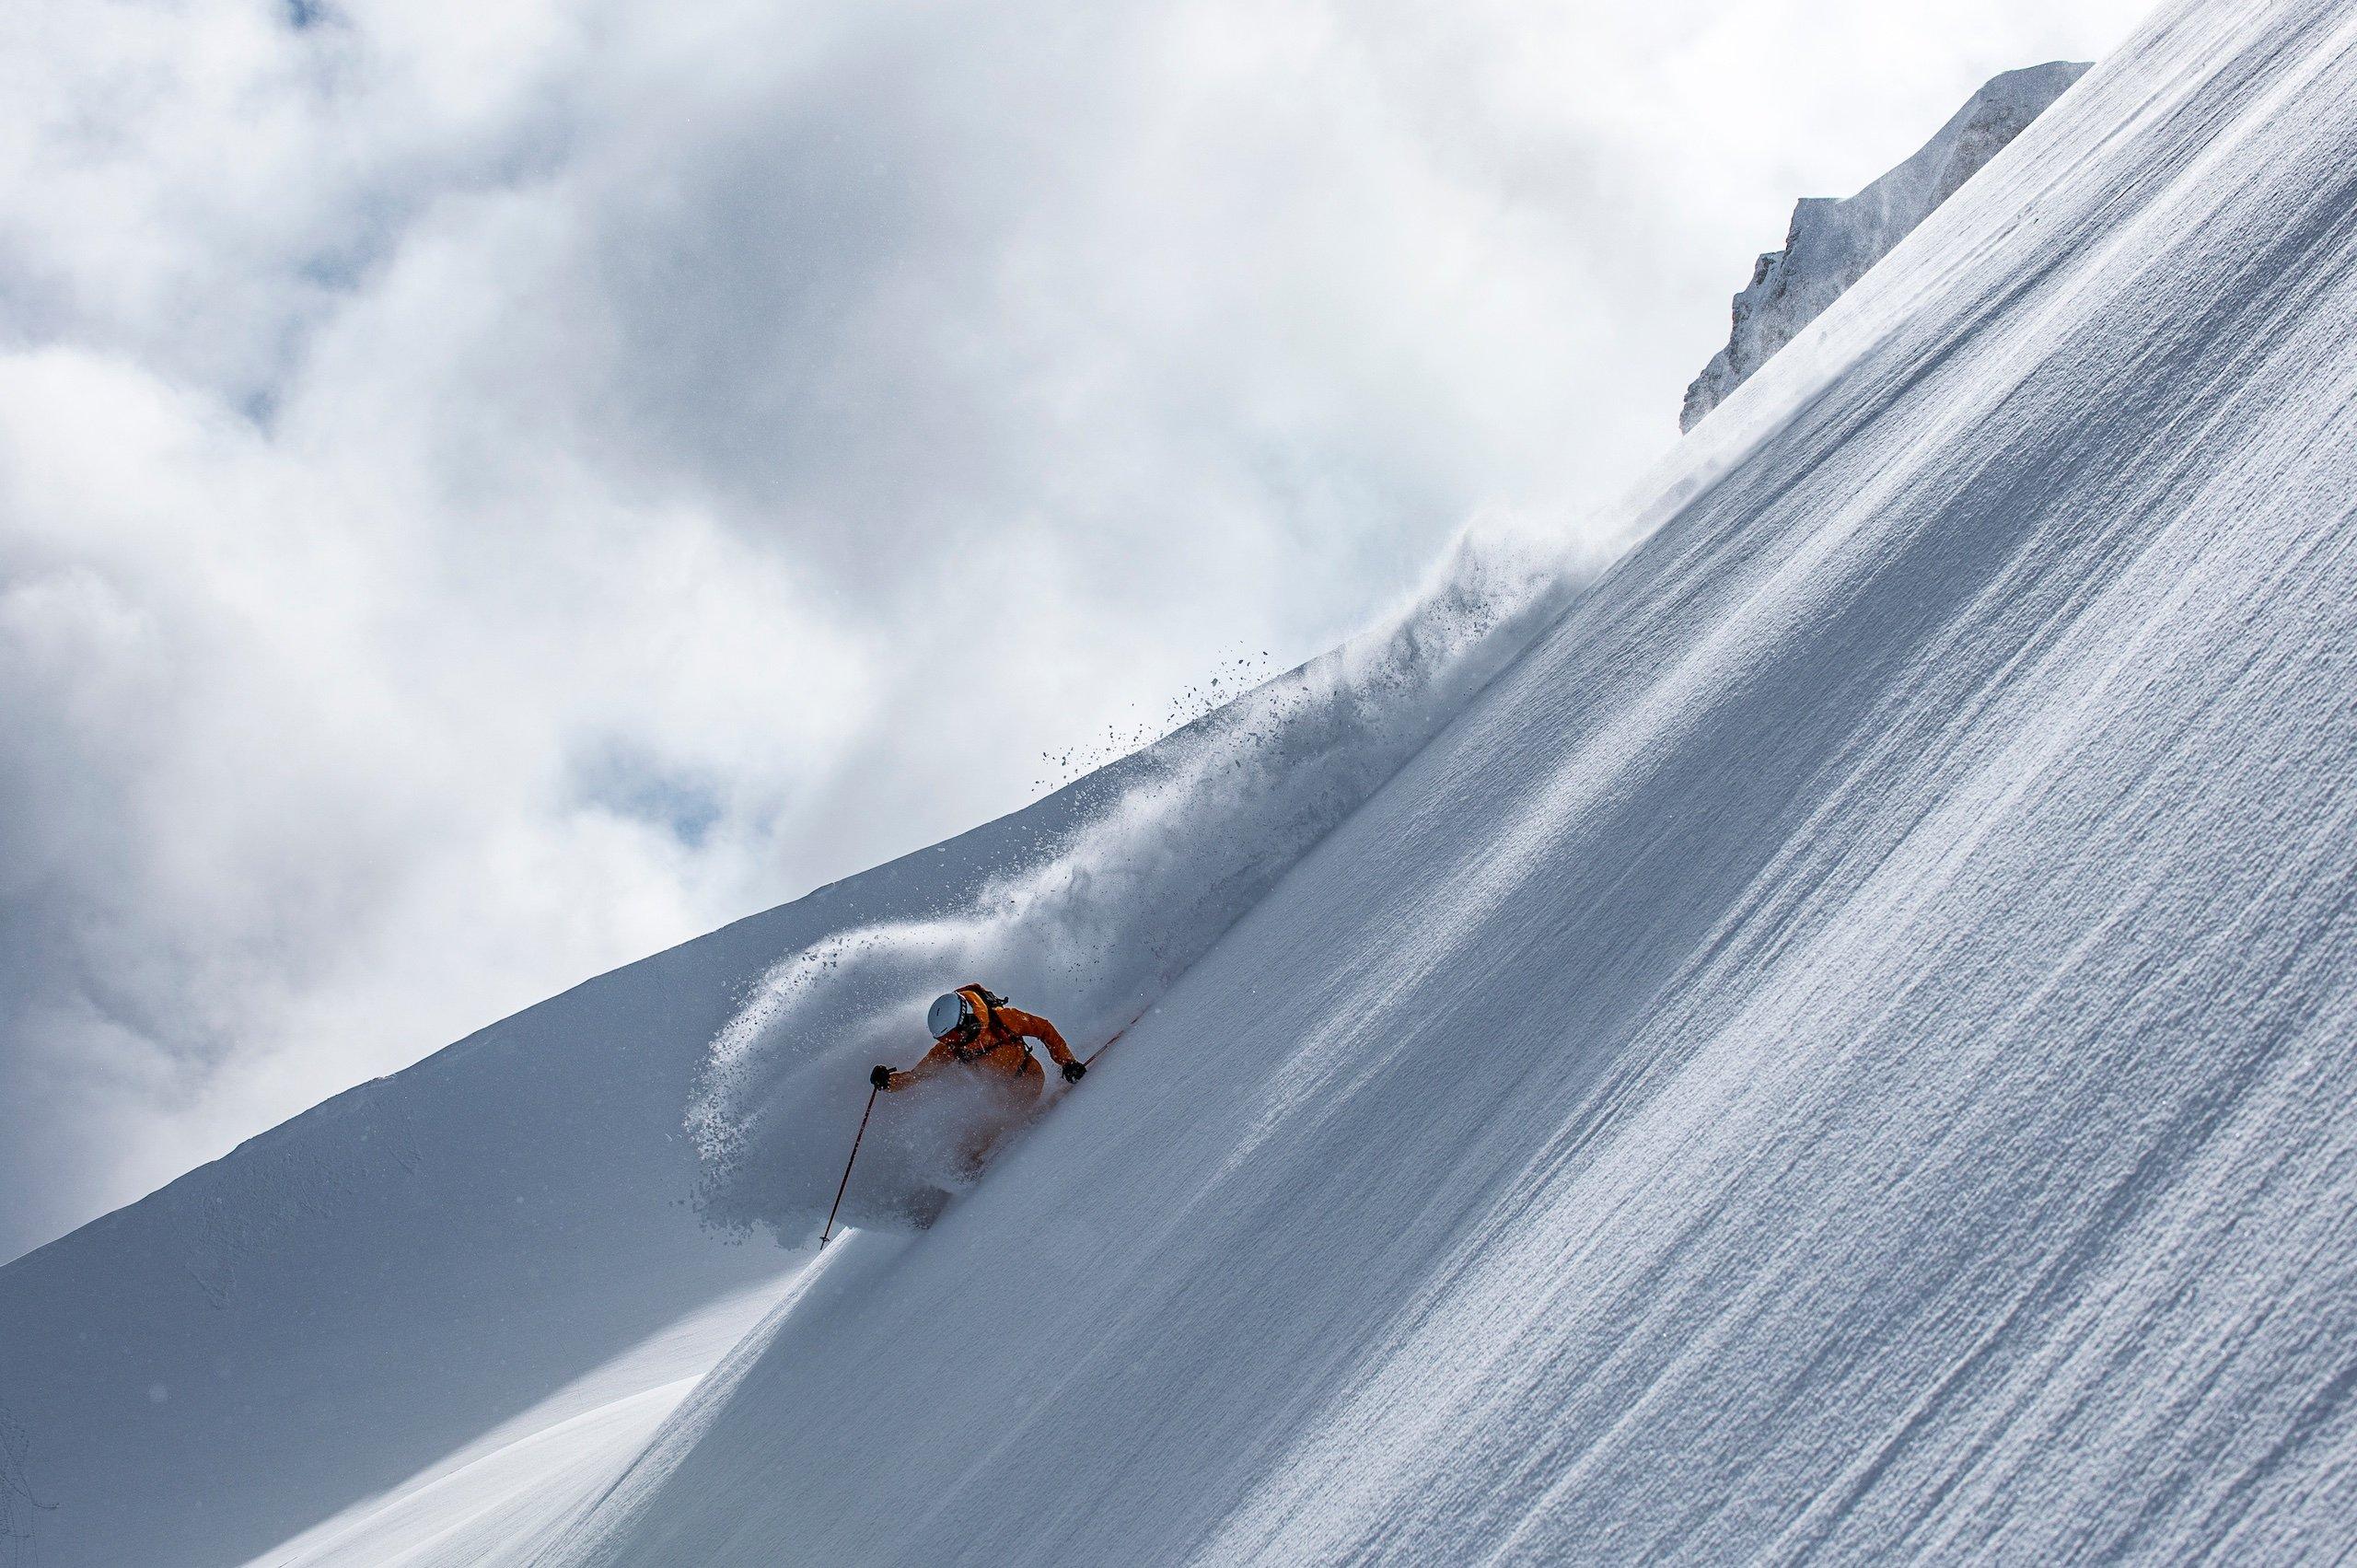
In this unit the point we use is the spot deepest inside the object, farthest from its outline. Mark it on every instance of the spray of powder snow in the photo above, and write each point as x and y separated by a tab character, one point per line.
1170	848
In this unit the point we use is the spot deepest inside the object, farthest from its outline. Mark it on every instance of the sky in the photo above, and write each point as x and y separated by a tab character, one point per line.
488	491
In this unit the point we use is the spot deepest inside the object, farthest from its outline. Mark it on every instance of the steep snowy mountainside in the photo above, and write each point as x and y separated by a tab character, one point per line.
338	1328
1840	1052
1832	242
1836	1050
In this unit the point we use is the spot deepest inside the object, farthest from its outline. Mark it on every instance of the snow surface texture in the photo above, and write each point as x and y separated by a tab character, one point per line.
1831	242
1834	1050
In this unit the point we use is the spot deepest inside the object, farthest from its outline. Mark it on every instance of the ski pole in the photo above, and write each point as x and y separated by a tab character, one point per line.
864	1115
1090	1060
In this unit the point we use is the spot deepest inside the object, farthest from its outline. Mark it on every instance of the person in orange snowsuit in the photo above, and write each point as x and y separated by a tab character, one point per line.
973	1028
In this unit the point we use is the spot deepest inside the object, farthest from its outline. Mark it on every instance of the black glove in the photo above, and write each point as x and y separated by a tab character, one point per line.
881	1077
1074	1072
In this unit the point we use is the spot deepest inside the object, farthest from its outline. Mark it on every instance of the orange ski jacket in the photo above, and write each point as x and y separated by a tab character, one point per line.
997	1049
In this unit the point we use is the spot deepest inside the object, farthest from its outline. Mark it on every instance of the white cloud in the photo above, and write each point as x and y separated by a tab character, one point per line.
486	492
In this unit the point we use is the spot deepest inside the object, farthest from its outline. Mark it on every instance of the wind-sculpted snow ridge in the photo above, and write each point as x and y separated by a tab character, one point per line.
1091	928
1833	243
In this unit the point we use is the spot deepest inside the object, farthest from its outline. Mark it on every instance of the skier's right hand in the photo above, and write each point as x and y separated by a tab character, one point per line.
881	1076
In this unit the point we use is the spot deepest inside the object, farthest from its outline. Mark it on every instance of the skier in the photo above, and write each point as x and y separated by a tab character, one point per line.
973	1028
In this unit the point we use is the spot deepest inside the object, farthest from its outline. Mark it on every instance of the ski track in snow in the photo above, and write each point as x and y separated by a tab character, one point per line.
1827	1041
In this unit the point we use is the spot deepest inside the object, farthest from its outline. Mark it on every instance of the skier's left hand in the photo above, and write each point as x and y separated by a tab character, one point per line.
881	1077
1074	1072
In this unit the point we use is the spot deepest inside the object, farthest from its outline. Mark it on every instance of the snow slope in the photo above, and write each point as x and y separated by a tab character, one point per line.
1836	1050
1840	1052
1831	242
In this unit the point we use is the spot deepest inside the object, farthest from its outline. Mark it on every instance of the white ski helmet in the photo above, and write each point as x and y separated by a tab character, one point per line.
948	1012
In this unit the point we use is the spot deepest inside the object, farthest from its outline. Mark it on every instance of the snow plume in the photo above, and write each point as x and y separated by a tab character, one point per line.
1132	876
